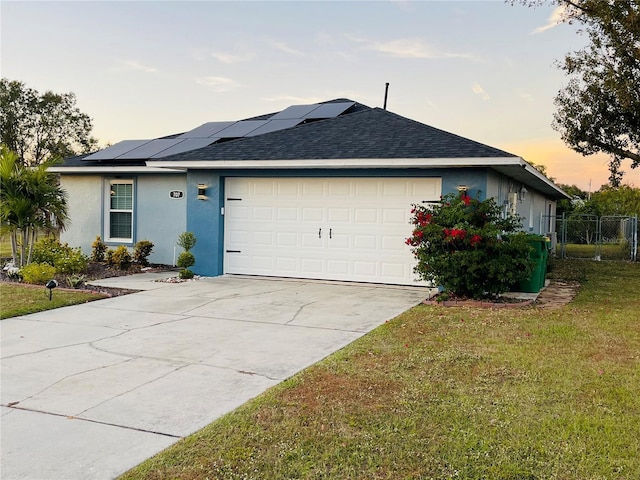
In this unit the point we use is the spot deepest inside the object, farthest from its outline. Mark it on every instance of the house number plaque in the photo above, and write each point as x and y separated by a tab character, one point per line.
176	194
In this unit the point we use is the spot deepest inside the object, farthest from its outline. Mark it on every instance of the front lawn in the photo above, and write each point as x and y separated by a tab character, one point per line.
19	299
444	392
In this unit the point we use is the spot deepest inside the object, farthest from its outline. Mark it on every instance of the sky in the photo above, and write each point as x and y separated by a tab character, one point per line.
485	69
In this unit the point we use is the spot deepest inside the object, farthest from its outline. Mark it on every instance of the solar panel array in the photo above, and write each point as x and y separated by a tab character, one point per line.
211	132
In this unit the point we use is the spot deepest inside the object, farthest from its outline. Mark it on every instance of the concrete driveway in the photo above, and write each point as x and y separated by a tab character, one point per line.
92	390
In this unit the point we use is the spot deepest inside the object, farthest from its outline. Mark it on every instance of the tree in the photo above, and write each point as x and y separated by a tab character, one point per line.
38	127
599	109
623	200
578	199
30	199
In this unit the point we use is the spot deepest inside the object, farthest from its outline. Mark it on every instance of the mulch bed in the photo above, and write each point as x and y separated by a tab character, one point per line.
554	295
98	271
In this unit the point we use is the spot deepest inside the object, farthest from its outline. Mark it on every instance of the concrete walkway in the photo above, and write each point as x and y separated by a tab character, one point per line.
92	390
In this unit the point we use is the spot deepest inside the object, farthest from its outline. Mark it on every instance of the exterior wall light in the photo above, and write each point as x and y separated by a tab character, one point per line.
523	192
462	188
202	191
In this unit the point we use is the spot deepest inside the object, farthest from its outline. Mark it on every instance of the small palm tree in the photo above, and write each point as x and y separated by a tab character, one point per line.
30	200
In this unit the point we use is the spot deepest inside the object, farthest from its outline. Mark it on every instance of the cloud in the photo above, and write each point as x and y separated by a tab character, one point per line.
478	90
293	100
407	48
135	65
554	20
283	47
218	84
232	58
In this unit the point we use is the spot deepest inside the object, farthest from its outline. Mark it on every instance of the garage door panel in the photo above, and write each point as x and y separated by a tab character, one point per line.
366	215
287	239
398	216
287	188
287	214
262	189
287	264
365	242
311	240
339	215
365	269
338	267
264	239
312	187
282	227
237	212
340	188
338	240
312	214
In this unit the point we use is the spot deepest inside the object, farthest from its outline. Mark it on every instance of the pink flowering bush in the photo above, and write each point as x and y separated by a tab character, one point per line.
467	246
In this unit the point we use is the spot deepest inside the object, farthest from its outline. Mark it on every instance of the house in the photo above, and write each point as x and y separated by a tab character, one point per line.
319	191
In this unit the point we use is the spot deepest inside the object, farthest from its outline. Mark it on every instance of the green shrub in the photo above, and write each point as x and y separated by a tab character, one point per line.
76	280
122	258
187	240
108	258
141	252
37	273
98	250
186	274
465	246
186	260
61	256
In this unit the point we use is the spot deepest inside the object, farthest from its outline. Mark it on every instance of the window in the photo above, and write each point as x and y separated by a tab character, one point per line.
119	220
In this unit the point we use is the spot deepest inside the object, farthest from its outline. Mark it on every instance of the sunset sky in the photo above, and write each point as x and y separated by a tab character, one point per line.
484	70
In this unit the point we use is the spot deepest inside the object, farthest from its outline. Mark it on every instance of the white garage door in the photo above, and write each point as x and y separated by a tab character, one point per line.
351	229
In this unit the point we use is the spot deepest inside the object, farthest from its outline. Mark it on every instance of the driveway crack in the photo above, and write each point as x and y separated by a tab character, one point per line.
295	315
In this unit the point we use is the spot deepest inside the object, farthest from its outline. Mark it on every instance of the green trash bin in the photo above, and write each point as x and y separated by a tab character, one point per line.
539	255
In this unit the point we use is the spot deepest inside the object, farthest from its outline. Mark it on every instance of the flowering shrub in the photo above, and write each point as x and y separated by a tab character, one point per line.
466	246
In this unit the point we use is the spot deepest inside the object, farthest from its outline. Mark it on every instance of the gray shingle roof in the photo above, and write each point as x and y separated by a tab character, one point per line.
360	132
370	133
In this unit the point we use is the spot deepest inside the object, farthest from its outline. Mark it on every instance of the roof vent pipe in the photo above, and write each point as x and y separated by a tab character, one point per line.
386	92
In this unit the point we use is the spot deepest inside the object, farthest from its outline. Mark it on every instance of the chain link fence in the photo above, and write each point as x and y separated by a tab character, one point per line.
610	237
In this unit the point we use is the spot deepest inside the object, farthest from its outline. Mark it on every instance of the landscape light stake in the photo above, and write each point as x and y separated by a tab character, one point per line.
50	285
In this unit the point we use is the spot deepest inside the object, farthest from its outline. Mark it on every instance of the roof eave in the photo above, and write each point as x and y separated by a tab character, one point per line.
513	166
114	169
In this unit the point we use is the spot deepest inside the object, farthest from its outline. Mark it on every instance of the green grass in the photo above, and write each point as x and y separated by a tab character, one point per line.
19	299
445	393
606	251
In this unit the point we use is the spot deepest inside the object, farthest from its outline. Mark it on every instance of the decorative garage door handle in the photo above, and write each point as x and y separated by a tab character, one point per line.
320	233
330	232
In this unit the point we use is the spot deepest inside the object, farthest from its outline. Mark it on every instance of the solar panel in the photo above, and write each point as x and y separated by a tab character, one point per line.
151	148
241	128
274	125
294	111
206	130
329	110
116	150
186	146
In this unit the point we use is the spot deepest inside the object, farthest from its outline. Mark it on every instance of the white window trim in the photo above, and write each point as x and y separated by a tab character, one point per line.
108	210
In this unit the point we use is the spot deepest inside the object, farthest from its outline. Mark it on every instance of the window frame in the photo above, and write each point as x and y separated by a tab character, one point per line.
108	210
